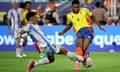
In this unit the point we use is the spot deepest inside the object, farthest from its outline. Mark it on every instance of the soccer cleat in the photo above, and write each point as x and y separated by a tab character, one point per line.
24	55
30	66
19	56
87	55
88	63
77	65
87	60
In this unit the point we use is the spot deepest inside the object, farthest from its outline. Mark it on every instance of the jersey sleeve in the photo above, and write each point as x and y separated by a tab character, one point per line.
89	13
68	20
27	28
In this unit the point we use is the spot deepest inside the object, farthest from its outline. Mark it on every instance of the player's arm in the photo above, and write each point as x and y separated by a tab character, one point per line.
98	24
9	22
68	26
94	19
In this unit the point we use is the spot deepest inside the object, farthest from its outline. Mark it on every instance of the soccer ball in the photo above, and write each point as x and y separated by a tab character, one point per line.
88	63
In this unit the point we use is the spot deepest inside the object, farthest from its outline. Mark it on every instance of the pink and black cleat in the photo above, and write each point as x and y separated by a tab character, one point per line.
30	66
77	65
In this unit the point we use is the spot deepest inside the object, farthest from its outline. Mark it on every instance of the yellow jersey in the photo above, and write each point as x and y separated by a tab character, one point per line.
23	17
79	20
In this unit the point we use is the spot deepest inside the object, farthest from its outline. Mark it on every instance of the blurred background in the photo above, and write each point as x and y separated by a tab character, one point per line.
108	41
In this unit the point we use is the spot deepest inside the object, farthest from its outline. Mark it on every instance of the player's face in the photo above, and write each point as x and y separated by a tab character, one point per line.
28	6
75	8
15	5
36	19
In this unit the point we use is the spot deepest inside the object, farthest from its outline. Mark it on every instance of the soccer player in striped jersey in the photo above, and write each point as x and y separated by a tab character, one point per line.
79	19
28	8
39	37
14	18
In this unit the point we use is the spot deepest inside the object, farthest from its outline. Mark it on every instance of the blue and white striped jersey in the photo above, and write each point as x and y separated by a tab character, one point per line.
15	16
35	33
38	36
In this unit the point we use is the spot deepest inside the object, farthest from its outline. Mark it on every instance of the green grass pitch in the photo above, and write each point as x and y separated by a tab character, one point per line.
102	62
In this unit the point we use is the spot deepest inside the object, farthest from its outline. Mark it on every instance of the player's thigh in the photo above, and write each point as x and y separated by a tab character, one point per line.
17	42
88	36
17	37
86	43
79	42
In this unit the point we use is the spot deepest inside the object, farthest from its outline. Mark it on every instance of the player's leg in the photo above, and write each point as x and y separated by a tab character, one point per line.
60	50
86	43
79	45
24	36
18	50
88	36
37	47
70	55
49	58
79	51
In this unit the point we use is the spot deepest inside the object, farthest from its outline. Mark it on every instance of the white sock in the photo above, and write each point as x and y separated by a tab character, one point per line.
22	50
18	52
74	57
41	61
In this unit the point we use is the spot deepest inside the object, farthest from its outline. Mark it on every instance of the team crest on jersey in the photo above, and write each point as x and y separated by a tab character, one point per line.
78	19
80	12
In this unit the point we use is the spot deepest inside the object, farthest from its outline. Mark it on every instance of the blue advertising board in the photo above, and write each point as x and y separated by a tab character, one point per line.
103	41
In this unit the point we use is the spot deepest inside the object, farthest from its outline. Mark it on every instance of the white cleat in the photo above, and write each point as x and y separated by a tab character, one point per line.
88	63
19	56
24	55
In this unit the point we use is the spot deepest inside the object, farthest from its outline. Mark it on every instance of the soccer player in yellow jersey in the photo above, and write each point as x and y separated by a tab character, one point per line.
28	8
79	19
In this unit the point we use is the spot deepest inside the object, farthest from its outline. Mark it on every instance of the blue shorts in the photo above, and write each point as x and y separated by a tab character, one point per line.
85	32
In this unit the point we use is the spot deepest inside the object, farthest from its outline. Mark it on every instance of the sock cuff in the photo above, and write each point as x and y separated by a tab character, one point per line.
79	51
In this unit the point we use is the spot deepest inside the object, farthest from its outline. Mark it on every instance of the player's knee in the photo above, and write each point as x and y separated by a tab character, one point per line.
51	58
63	51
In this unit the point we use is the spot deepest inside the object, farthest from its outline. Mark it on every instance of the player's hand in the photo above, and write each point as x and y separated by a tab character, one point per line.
101	28
60	33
